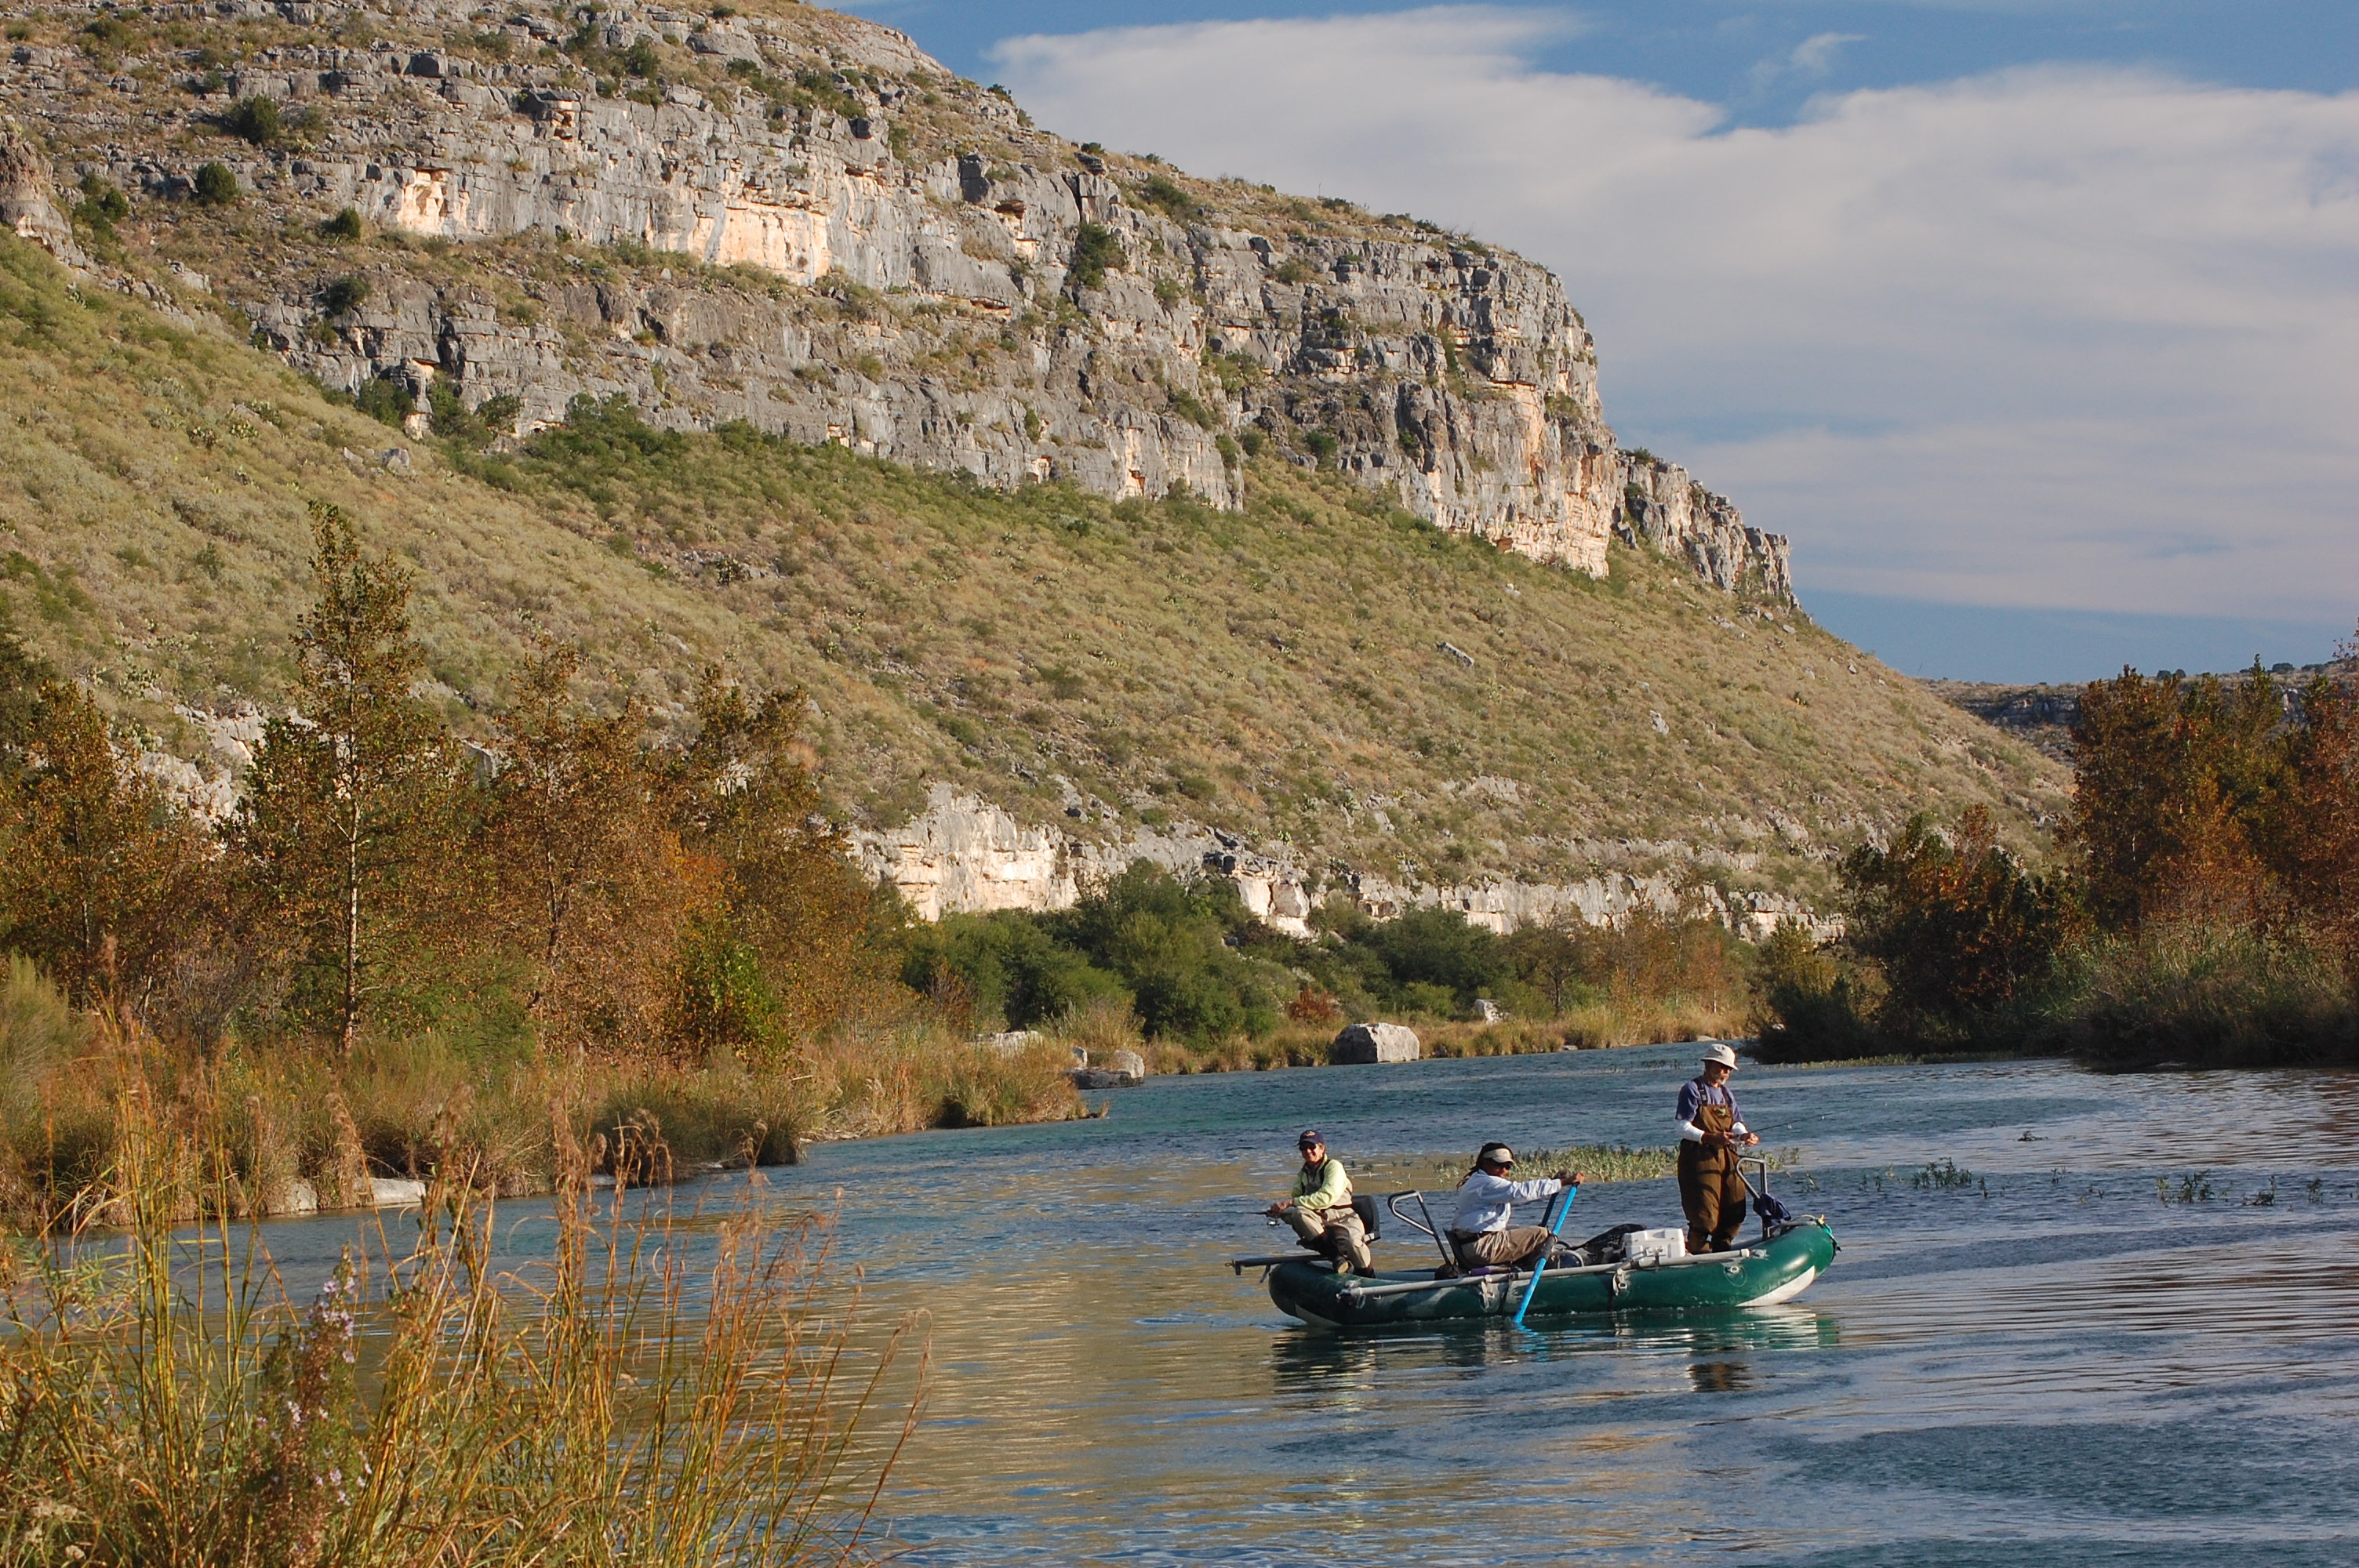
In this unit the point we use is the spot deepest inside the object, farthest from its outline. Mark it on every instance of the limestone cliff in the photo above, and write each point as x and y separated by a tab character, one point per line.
964	855
799	221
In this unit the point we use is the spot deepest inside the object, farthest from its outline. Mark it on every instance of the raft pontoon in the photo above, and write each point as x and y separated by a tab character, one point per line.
1595	1280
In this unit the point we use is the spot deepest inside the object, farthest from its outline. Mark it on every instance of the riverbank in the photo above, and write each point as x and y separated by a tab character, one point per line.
284	1129
1581	1029
299	1130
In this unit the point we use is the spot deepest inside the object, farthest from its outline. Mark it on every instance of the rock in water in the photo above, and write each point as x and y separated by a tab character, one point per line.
1363	1043
1120	1070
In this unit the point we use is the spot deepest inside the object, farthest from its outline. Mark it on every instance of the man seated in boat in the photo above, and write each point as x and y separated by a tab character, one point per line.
1320	1208
1480	1232
1712	1130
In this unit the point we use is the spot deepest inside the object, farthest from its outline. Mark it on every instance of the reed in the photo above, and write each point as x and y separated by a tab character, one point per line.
284	1128
1601	1165
1583	1027
658	1389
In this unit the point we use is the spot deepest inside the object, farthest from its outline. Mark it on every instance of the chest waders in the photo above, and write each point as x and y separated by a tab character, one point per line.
1711	1188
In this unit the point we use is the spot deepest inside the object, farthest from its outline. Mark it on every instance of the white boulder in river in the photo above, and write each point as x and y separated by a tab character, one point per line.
1119	1070
1375	1043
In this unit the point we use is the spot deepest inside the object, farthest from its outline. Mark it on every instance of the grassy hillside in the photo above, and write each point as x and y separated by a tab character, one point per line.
1279	673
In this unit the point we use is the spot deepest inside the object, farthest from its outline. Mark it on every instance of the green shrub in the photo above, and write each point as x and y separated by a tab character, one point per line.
344	225
474	428
254	119
640	59
1192	408
386	399
1097	250
343	296
2214	996
215	186
725	1006
1002	970
101	206
1166	196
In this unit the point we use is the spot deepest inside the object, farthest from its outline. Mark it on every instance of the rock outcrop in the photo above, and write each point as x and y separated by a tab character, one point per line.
962	855
28	205
800	222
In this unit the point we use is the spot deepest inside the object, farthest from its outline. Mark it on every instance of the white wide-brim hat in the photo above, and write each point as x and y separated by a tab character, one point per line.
1721	1055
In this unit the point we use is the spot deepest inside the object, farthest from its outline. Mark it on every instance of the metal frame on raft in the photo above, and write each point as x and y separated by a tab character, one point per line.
1508	1283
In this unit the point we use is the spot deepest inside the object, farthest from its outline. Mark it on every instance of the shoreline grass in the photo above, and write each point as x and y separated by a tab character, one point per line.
281	1130
1603	1027
646	1393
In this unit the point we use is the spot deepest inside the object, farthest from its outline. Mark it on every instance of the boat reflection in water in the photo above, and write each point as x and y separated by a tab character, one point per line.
1312	1361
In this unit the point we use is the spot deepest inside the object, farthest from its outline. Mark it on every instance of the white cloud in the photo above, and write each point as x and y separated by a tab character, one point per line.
2074	338
1813	57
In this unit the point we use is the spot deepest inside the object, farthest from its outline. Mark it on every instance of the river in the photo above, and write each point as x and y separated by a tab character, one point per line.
2125	1329
2076	1319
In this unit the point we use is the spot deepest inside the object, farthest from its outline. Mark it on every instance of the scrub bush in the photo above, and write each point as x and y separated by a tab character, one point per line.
214	185
1097	250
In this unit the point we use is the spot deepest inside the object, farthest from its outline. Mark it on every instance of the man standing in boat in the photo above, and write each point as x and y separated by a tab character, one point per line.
1712	1130
1320	1208
1479	1232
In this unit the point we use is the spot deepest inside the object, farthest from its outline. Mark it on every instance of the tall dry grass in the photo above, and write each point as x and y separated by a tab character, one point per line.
921	1074
1583	1027
654	1392
282	1129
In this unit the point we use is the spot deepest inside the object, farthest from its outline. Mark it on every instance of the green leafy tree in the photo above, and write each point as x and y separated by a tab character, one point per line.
1442	949
103	879
1003	968
1174	943
349	822
745	797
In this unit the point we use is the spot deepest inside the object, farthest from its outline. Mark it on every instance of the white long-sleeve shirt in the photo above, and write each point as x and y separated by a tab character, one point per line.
1484	1201
1693	1096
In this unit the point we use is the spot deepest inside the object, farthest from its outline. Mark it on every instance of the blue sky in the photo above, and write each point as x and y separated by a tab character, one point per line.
2035	324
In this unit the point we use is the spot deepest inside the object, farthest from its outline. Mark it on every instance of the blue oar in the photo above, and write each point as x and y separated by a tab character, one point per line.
1570	1192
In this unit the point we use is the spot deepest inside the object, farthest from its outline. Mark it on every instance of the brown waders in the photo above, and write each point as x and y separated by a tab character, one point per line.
1712	1189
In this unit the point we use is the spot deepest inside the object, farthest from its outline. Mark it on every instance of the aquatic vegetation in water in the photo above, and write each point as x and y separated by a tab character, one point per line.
1945	1173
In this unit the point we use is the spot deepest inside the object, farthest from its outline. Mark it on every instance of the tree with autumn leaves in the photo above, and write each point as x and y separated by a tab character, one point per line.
620	892
2203	902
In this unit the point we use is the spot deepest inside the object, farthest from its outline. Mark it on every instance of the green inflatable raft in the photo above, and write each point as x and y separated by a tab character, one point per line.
1776	1267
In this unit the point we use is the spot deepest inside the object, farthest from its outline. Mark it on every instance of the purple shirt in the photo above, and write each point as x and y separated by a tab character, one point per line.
1694	1095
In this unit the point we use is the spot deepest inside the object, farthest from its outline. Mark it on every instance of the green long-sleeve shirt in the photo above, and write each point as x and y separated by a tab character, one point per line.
1327	1187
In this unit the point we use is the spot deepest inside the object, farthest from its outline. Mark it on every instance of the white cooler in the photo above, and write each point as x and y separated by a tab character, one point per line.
1654	1246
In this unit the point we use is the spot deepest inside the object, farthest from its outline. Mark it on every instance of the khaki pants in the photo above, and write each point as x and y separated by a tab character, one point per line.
1335	1232
1713	1194
1517	1244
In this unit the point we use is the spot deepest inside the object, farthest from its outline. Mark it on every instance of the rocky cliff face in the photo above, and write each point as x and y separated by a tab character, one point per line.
799	221
964	855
